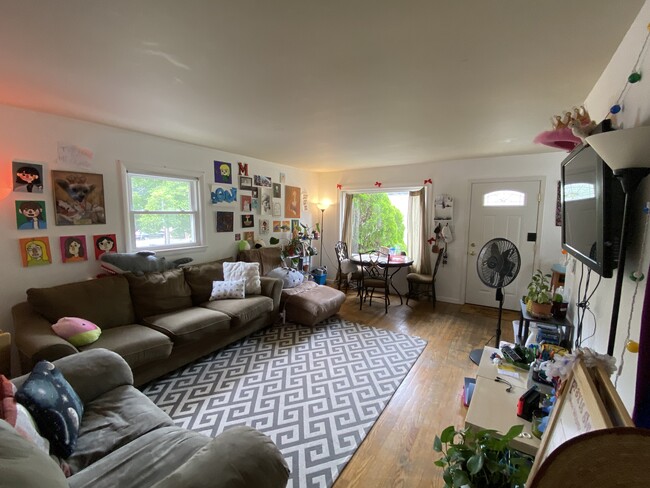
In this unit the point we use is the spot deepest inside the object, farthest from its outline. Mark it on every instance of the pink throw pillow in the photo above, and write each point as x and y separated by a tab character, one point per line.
77	331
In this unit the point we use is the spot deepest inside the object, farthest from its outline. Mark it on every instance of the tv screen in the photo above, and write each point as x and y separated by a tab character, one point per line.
592	210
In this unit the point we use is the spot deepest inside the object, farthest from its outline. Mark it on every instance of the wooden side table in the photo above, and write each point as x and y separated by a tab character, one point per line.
5	353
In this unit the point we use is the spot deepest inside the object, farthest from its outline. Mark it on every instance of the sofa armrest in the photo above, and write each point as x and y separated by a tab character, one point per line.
272	288
91	373
35	339
240	457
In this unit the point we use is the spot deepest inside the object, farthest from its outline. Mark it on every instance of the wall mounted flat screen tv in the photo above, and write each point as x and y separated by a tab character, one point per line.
592	210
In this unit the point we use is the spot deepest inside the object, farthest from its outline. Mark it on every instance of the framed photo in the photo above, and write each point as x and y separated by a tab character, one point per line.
237	237
222	172
247	221
265	227
255	192
35	251
73	249
30	215
285	224
266	201
255	205
246	203
78	198
225	221
245	183
262	181
276	226
277	207
250	237
295	225
292	202
28	176
104	243
277	190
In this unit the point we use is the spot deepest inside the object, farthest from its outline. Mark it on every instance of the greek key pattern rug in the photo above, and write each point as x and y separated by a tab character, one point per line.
316	391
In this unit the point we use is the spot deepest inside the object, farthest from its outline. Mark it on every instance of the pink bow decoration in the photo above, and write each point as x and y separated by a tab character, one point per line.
431	240
428	180
377	184
339	186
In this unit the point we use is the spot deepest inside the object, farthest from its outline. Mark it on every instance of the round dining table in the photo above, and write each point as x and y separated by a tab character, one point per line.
396	261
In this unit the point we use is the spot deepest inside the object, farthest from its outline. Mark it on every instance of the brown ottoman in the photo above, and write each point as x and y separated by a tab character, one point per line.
309	303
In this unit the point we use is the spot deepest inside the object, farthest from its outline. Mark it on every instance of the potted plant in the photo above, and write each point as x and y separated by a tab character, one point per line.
481	459
539	294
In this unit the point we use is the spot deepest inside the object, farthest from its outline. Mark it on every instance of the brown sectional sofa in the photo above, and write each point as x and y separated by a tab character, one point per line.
307	303
157	321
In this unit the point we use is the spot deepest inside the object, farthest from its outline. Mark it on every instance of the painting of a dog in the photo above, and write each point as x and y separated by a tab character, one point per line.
78	198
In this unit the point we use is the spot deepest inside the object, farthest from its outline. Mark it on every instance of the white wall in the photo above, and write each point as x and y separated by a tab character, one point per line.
454	178
636	112
33	136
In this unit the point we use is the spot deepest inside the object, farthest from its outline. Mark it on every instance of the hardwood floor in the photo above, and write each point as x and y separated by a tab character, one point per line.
398	451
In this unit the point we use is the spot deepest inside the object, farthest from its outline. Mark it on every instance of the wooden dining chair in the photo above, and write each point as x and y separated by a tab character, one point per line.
424	284
374	278
348	272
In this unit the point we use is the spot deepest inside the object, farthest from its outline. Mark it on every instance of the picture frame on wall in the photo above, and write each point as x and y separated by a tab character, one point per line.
246	202
78	198
277	190
30	215
35	251
73	249
223	196
264	181
225	221
277	208
265	226
247	221
104	243
292	202
266	201
222	172
245	183
28	176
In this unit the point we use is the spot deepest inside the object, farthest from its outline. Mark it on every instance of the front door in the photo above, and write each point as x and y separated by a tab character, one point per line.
506	209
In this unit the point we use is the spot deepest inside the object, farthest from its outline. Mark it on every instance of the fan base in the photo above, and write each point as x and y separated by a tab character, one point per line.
475	356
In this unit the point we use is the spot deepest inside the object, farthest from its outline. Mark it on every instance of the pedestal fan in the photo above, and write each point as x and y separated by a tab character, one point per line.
497	265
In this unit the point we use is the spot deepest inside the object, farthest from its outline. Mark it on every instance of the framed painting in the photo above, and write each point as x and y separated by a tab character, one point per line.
247	221
277	190
225	221
265	227
245	183
30	215
104	243
29	176
73	249
223	196
266	201
222	172
277	207
262	181
292	202
78	198
246	203
35	251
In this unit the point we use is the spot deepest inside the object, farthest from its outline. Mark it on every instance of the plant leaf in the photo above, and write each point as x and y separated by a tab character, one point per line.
514	431
460	478
448	434
475	464
437	444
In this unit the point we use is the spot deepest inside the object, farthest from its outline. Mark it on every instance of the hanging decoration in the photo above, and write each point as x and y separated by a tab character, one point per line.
633	78
428	180
339	186
378	184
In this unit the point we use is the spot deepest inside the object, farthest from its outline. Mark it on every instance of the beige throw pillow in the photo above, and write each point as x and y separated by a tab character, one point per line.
247	271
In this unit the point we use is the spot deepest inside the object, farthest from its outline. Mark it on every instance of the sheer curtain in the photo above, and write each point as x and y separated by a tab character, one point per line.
347	220
416	238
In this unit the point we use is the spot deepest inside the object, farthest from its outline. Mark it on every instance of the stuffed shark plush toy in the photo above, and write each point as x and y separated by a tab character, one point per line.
138	262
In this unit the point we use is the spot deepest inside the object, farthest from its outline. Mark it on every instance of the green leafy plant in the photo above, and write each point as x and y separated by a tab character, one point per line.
539	289
481	459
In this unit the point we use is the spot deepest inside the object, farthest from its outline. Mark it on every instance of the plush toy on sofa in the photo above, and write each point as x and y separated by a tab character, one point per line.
138	262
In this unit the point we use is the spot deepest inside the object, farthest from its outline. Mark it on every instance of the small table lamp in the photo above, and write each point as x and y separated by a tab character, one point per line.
627	152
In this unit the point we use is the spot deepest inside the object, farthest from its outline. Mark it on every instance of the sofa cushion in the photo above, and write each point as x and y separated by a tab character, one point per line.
113	420
248	271
55	406
143	462
25	465
137	344
156	293
104	301
200	277
290	277
309	303
189	325
242	312
268	257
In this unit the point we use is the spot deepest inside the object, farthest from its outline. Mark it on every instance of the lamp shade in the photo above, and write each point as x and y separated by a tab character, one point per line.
623	149
323	205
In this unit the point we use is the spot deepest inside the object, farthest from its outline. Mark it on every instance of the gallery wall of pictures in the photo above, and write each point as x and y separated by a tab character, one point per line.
258	205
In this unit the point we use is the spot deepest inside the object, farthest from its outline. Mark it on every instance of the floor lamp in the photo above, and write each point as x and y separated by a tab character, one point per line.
627	152
322	206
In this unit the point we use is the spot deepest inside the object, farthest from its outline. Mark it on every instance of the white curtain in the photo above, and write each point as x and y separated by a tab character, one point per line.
346	234
416	238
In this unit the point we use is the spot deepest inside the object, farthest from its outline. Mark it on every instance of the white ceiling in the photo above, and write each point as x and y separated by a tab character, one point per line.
321	85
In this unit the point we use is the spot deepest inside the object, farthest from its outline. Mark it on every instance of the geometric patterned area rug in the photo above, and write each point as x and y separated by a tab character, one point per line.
316	391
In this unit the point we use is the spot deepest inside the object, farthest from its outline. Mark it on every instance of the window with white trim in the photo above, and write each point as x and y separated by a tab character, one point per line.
504	198
163	210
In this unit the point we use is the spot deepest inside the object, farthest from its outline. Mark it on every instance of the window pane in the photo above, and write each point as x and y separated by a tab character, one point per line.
378	221
579	191
504	198
164	230
155	193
